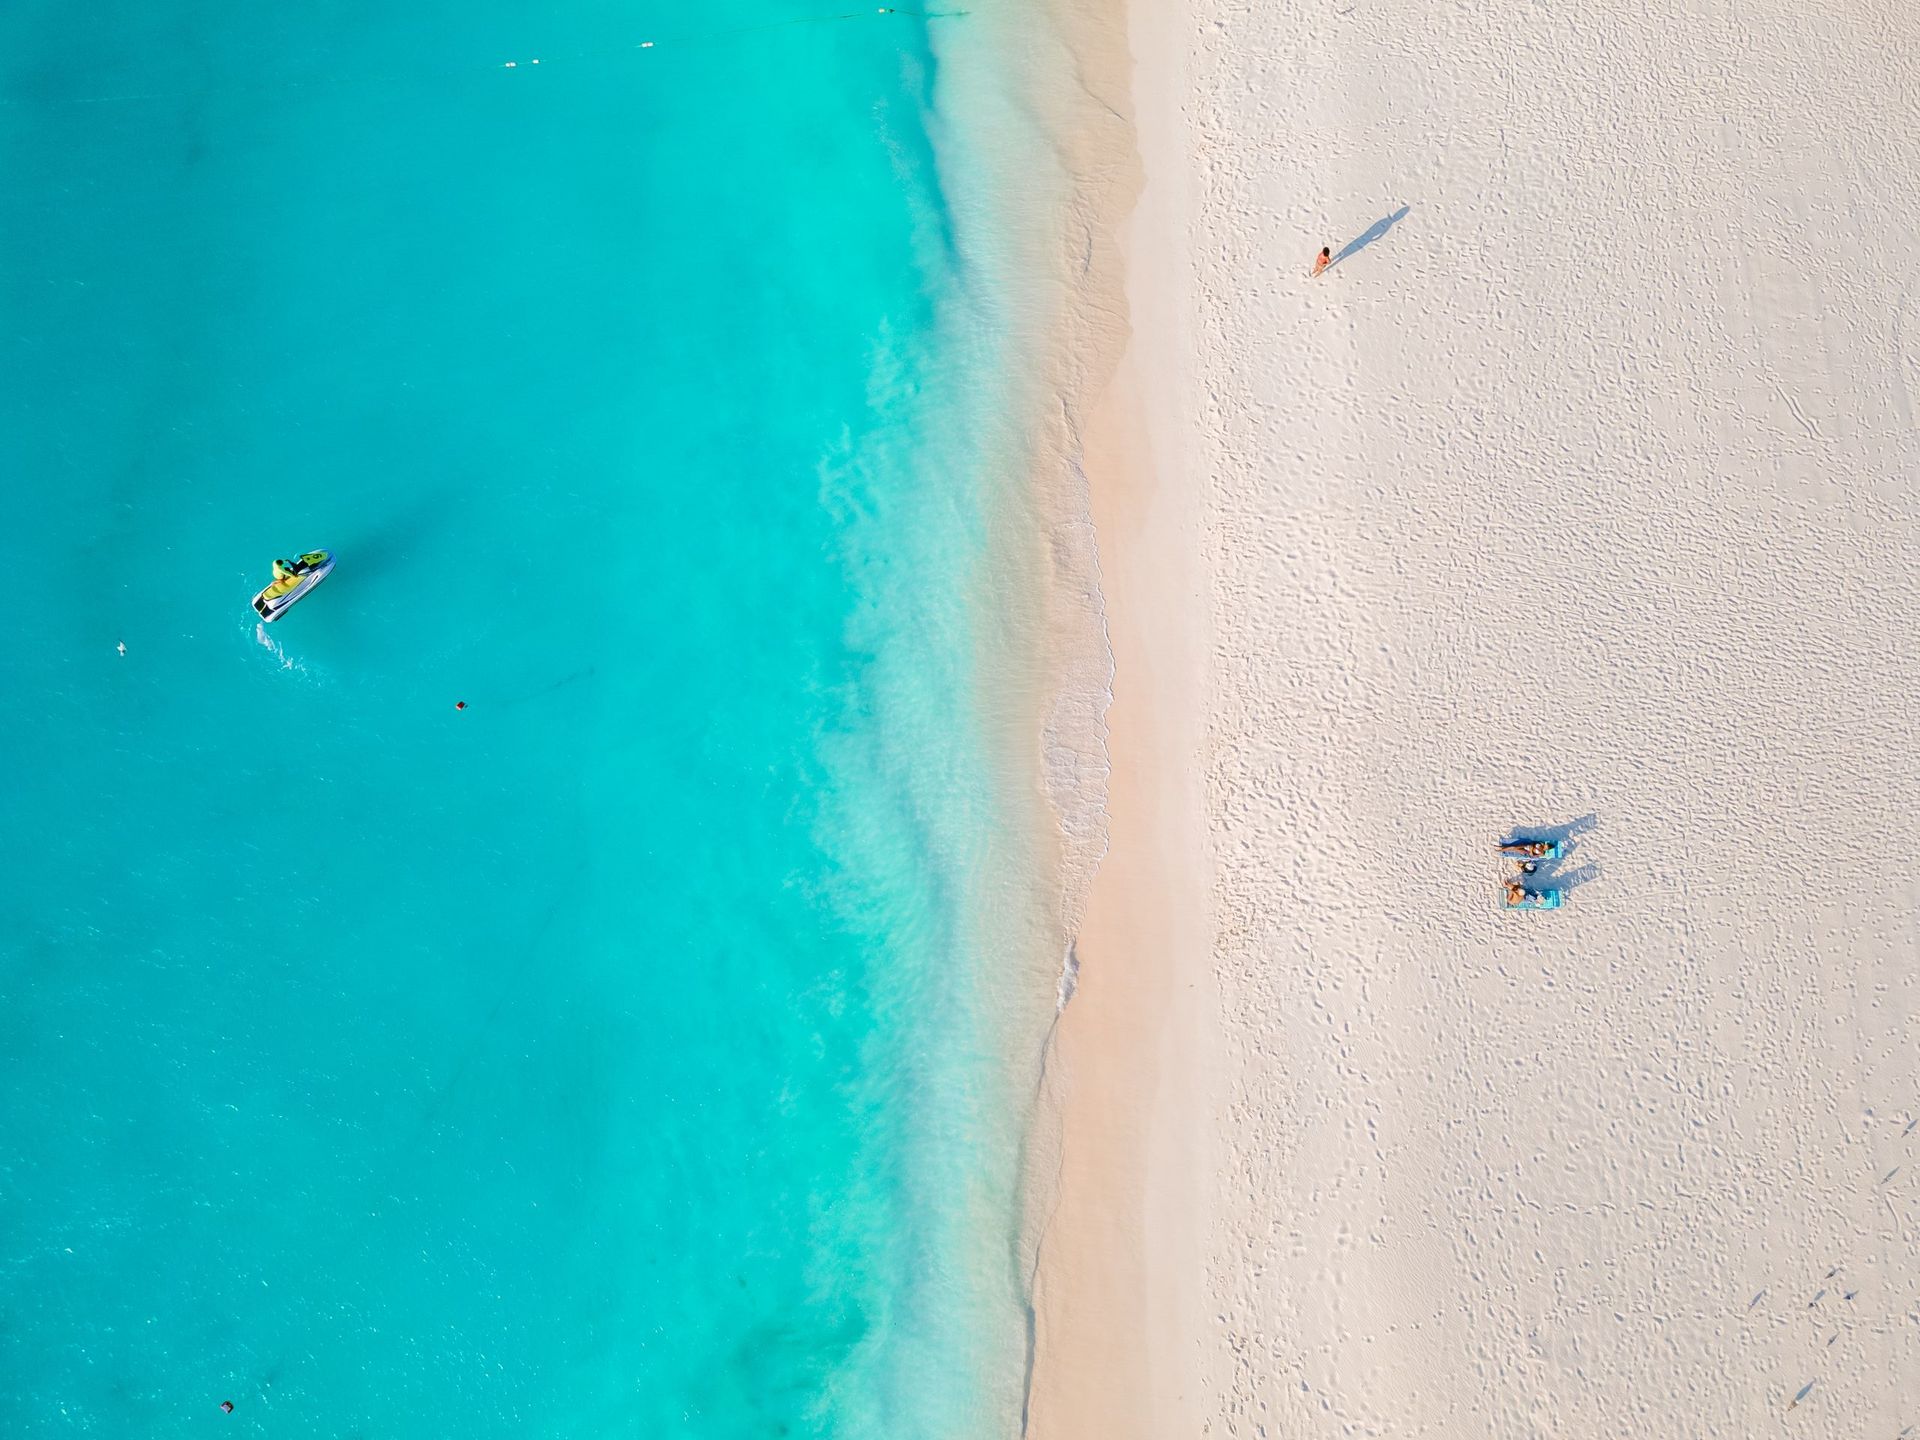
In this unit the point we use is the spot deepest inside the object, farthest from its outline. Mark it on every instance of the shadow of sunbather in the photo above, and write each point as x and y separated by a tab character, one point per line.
1373	233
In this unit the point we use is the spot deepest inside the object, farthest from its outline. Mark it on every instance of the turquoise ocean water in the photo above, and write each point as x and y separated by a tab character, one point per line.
616	1056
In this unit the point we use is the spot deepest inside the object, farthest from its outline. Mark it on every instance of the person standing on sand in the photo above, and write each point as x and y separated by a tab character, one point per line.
1326	259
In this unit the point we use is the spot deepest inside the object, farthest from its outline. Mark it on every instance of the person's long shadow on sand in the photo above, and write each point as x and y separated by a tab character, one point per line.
1372	233
1550	876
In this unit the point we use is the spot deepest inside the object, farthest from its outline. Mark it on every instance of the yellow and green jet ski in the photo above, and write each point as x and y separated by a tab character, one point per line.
292	579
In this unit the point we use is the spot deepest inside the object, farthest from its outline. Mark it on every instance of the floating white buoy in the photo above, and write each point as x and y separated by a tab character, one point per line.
511	65
536	62
646	44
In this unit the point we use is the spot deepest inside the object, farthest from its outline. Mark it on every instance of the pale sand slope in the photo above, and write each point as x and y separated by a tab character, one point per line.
1587	495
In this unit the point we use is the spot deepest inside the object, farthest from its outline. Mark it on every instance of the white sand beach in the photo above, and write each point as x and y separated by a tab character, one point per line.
1581	496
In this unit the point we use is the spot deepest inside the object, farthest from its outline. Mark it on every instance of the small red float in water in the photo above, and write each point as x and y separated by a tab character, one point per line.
459	704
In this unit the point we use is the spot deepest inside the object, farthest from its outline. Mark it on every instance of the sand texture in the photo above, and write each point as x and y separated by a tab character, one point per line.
1582	495
1579	496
